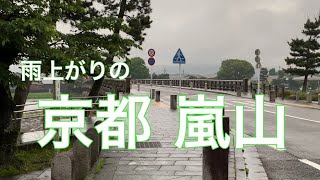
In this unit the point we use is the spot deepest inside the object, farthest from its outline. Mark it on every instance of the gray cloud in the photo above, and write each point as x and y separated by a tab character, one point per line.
209	31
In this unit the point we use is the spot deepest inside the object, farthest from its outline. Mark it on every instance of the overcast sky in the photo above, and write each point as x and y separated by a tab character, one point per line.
209	31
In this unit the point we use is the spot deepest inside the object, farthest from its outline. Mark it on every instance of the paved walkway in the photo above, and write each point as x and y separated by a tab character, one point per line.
167	161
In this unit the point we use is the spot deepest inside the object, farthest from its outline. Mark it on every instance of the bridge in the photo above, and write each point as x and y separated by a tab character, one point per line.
301	158
159	158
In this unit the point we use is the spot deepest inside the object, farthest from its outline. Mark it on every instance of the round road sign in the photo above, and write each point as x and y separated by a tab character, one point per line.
152	52
257	52
151	61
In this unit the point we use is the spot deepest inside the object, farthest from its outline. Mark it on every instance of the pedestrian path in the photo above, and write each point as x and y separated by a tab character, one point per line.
167	161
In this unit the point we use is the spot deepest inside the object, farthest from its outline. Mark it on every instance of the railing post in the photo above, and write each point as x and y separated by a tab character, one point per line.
245	85
254	92
272	96
297	96
128	85
173	102
309	97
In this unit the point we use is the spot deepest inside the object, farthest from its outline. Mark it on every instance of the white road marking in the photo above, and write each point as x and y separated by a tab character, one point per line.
295	117
310	163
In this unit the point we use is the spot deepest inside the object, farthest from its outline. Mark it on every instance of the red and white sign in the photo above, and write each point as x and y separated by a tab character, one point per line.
151	52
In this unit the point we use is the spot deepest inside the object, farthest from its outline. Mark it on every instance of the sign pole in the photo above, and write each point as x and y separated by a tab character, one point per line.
151	62
179	59
151	76
179	78
258	90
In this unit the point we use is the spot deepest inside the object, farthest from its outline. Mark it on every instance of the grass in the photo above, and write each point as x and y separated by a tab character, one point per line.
32	159
100	166
42	95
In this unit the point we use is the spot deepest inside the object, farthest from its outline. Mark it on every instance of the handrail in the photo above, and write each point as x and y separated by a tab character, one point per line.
188	80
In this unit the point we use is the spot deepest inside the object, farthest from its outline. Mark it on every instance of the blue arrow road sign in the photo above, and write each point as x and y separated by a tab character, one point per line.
179	58
151	61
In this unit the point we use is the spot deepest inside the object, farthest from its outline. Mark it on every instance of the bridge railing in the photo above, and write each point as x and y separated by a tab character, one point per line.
224	85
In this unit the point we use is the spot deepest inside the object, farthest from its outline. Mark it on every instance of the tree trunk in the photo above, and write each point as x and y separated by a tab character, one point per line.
20	98
97	84
8	130
305	83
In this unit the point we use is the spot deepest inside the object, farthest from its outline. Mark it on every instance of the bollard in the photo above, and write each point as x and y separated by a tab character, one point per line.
272	96
309	97
64	166
170	83
239	91
82	155
95	146
117	95
173	102
205	86
157	96
138	86
152	93
215	162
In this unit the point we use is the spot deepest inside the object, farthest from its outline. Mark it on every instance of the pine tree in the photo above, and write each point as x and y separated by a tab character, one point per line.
305	56
132	19
264	74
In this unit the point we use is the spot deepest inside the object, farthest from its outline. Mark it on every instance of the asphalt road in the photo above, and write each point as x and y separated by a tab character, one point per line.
300	160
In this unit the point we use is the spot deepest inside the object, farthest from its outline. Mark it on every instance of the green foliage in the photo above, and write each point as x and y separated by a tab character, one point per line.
34	159
264	74
138	69
235	69
100	166
272	72
160	76
305	55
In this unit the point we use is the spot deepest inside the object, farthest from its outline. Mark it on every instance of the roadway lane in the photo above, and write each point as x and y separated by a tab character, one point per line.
301	159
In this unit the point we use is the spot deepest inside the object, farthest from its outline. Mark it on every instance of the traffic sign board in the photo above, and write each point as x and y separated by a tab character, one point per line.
151	61
179	58
151	52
